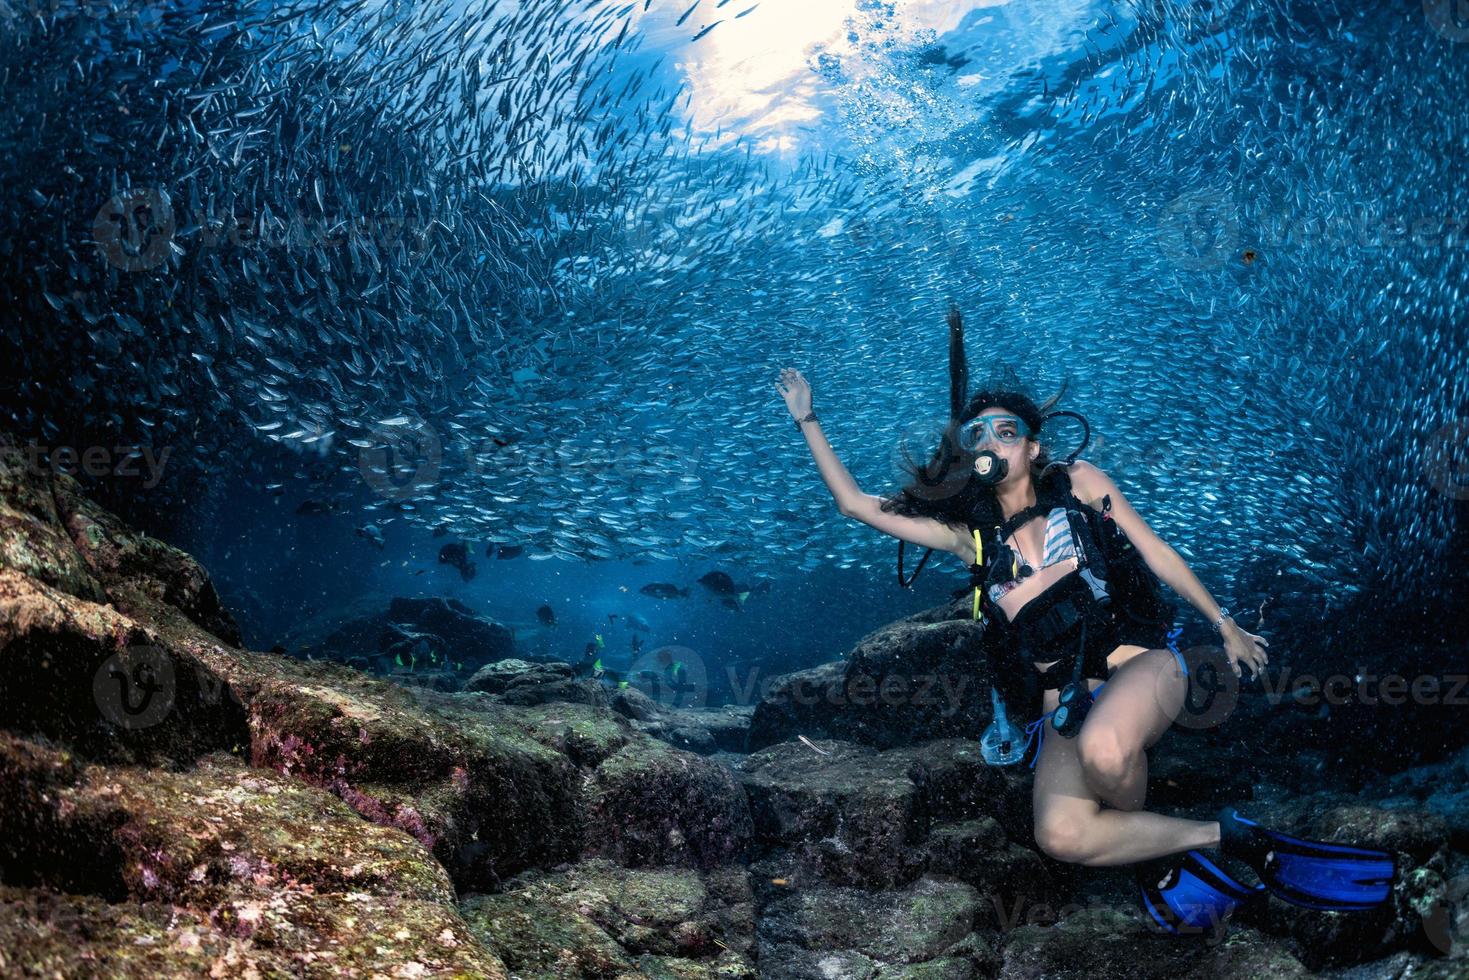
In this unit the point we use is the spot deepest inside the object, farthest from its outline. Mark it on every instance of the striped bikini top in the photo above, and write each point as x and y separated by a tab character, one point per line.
1059	546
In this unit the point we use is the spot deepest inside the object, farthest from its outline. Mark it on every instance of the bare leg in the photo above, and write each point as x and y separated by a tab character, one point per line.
1131	713
1070	824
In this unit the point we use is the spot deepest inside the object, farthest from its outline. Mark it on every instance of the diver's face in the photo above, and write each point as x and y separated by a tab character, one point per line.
1001	432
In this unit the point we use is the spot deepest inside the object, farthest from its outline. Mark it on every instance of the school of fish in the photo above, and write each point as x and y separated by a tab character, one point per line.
479	267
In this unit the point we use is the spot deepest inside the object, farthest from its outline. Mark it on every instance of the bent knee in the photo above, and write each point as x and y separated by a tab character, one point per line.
1104	755
1062	838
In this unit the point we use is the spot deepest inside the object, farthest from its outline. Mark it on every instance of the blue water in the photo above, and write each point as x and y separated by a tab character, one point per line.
1237	230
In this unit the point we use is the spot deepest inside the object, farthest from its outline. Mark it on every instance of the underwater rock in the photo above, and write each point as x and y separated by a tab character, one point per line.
599	919
256	870
978	853
51	532
33	538
499	677
957	784
421	631
56	934
462	777
459	772
527	682
849	932
1073	946
633	703
856	816
650	803
702	730
1441	788
803	702
80	671
920	678
846	812
129	563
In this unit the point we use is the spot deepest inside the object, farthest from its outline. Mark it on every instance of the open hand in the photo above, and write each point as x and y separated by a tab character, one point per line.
1244	647
796	392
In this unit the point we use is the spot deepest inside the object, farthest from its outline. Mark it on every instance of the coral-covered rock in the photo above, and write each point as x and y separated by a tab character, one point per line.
847	812
258	870
908	682
599	919
652	804
52	533
839	931
110	684
33	538
129	564
427	631
460	774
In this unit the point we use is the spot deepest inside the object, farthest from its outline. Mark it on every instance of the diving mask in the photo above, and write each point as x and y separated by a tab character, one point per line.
1006	430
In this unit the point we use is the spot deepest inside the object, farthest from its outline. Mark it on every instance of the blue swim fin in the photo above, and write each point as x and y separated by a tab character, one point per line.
1308	873
1194	896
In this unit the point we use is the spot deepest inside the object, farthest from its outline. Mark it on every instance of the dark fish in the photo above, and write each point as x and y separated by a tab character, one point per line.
456	554
718	582
731	596
372	533
664	590
318	507
546	616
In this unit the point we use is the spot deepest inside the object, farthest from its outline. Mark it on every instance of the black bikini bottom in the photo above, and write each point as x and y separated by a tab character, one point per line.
1049	627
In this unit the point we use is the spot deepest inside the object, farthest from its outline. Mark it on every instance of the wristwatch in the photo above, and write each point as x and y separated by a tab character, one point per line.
810	417
1219	623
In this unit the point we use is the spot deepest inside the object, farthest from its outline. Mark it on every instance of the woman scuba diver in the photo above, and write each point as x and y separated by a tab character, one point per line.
1064	574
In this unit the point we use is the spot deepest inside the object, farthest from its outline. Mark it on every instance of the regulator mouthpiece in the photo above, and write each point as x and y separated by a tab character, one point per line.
990	468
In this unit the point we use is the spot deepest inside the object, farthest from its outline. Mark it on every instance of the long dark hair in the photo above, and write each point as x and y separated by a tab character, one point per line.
945	488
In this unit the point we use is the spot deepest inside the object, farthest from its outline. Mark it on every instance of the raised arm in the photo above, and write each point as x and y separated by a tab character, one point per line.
850	499
1090	484
924	531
